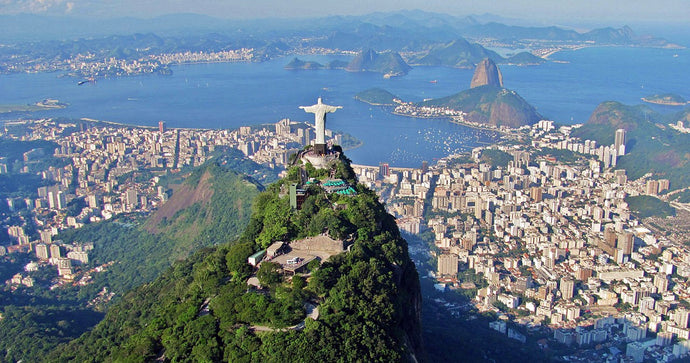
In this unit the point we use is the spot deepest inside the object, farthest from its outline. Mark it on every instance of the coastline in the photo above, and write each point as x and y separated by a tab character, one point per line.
38	106
549	53
480	127
458	121
356	145
375	104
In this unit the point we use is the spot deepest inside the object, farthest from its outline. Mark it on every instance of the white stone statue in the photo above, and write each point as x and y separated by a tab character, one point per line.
320	110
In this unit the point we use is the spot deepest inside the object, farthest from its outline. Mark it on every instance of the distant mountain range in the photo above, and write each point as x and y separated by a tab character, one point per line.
425	39
403	30
458	53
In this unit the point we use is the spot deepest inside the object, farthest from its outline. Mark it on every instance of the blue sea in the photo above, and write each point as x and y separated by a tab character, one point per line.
228	95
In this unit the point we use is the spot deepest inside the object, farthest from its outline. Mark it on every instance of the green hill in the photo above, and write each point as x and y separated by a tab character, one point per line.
525	59
201	310
211	207
462	54
644	206
683	116
610	116
376	97
490	105
651	145
370	61
459	54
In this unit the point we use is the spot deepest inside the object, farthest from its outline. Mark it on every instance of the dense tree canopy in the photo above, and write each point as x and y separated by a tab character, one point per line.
202	310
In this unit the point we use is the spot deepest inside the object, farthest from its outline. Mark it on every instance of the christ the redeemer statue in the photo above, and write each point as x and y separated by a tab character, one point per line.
320	110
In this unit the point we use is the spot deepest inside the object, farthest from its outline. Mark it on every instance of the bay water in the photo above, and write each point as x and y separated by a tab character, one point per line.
229	95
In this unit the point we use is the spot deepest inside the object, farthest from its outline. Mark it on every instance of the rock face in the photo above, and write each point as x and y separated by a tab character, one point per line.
487	73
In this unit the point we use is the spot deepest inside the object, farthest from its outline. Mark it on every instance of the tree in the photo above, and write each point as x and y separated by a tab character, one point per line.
501	306
298	282
276	224
313	265
236	260
269	274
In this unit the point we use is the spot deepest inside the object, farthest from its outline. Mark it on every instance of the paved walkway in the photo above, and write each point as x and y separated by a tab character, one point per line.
312	312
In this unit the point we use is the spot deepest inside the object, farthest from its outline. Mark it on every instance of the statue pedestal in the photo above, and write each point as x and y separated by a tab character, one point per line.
319	161
320	149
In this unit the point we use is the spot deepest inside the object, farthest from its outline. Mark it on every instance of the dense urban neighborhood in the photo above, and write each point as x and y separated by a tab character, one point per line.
538	230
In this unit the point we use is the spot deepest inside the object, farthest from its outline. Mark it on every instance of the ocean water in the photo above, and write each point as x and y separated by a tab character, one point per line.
569	89
228	95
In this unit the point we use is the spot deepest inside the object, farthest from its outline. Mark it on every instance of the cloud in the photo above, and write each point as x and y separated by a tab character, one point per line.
35	6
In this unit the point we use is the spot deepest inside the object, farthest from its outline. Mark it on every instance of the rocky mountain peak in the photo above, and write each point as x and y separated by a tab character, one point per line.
487	73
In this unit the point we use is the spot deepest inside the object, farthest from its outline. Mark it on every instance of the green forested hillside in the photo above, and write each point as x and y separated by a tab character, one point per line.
644	206
142	252
376	97
651	144
35	320
459	54
490	105
201	310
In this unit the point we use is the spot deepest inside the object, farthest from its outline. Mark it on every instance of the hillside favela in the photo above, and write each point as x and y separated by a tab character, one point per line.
315	181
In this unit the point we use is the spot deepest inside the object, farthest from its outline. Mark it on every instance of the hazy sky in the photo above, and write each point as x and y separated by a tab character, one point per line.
548	11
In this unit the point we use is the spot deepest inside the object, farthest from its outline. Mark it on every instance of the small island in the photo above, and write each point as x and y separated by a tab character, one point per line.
297	63
50	103
47	104
377	97
666	99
